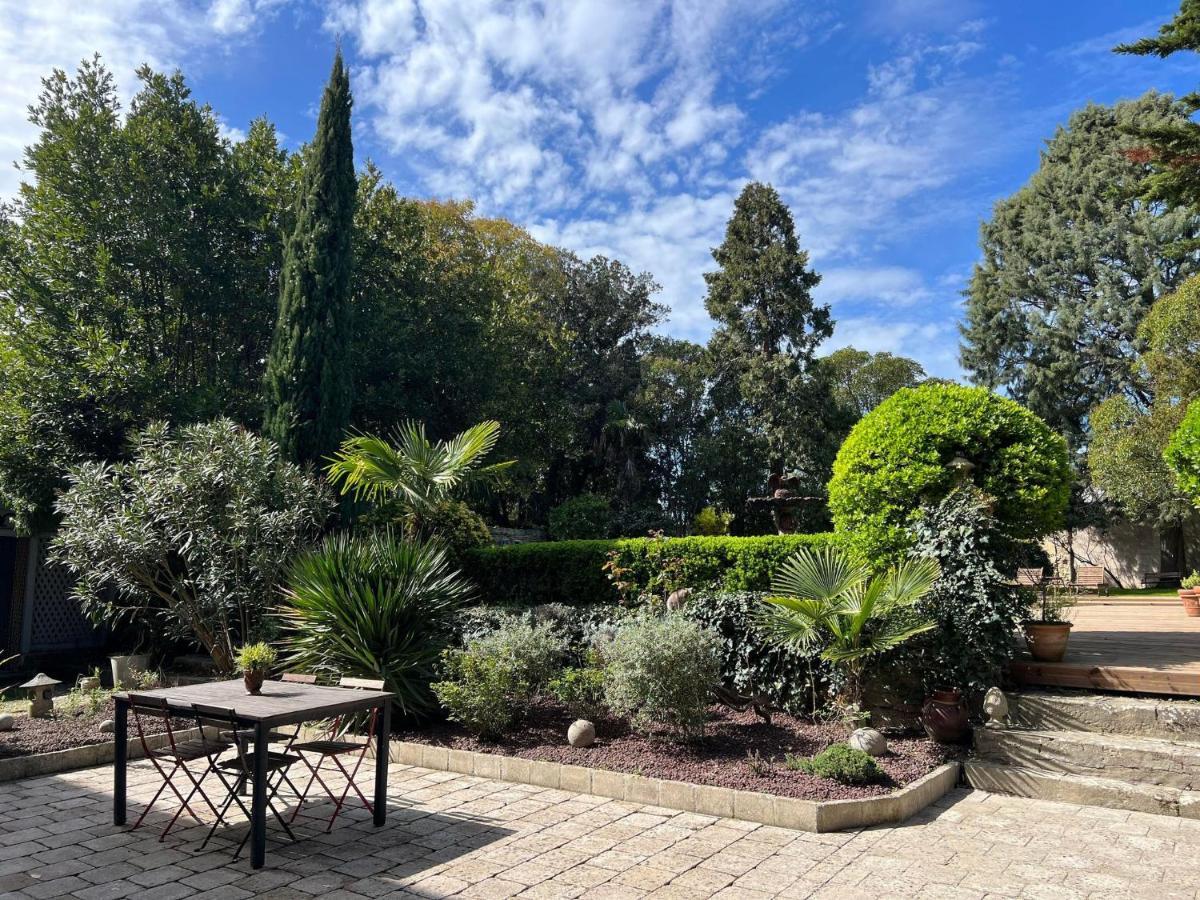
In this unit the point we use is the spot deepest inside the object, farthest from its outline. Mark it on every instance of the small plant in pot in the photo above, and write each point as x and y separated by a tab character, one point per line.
255	661
1047	635
1189	594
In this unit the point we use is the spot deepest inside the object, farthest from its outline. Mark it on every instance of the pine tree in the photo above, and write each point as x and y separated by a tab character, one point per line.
768	329
308	384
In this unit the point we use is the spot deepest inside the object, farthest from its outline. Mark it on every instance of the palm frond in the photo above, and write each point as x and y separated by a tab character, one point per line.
825	573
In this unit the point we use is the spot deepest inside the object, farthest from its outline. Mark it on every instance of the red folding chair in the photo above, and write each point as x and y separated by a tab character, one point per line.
177	754
331	747
237	772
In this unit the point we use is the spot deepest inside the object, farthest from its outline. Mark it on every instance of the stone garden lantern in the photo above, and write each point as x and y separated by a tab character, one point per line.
41	695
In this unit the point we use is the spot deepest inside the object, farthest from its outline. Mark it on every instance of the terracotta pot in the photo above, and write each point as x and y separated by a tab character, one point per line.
1047	641
254	681
944	716
1191	601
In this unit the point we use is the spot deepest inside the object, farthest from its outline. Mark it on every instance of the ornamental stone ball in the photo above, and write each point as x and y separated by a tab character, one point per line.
108	726
868	740
995	707
582	733
6	722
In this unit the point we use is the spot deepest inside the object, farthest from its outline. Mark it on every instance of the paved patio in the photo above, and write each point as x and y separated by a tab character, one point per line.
453	835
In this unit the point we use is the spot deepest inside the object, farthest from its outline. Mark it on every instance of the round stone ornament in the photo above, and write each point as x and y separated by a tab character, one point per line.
6	722
582	733
868	740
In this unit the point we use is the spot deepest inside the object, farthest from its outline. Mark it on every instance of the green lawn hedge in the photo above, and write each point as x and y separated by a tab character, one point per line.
573	571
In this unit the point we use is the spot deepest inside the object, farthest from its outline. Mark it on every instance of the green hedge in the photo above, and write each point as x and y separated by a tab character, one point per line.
573	571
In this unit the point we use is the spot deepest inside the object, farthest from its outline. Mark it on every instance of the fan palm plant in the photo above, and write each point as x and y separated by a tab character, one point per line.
412	471
828	599
374	606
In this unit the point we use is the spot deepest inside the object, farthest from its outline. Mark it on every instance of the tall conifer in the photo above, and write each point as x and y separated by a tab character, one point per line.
308	387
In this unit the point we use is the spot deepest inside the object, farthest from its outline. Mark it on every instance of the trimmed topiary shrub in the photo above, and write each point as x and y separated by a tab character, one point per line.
583	518
640	568
896	460
841	763
1183	453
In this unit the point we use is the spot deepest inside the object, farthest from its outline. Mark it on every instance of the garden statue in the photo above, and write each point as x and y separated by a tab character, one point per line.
582	733
677	598
41	695
783	503
869	741
995	707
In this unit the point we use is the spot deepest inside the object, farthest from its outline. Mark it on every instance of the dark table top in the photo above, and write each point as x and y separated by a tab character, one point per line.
280	703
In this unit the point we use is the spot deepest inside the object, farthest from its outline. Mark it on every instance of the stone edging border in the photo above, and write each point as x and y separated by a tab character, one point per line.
751	806
36	764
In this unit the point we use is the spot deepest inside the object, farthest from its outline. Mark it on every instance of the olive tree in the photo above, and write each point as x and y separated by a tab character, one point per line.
194	533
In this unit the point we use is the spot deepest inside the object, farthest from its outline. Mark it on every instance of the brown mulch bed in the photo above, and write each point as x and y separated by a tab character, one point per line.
719	759
65	731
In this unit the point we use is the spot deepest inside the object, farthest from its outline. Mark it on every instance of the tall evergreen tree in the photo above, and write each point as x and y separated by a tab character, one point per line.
768	328
308	380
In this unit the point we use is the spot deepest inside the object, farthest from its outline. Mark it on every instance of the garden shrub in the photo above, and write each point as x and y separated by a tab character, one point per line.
488	683
974	604
751	663
581	690
1183	453
658	673
576	624
586	517
575	572
376	606
710	523
457	525
895	461
841	763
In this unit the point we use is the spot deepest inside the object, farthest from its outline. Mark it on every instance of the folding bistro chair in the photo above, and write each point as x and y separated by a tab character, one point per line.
237	772
332	748
245	736
177	754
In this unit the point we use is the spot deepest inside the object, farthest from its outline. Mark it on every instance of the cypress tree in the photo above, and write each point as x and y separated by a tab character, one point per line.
308	387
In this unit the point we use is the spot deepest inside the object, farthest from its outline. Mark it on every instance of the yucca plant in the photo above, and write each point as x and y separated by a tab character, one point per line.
373	605
827	599
413	472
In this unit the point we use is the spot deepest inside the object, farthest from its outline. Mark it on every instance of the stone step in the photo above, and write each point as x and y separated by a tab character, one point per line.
1083	789
1137	760
1137	716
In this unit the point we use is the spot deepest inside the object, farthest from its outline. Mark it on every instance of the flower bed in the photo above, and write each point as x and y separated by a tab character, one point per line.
64	730
723	758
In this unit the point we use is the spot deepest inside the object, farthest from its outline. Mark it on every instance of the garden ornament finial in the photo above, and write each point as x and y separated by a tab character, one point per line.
995	707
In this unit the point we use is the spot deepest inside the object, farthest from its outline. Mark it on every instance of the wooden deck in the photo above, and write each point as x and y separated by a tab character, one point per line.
1126	645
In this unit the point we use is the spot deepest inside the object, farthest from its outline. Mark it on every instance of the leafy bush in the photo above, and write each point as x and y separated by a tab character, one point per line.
256	657
749	661
1183	453
581	690
457	525
576	624
583	518
1191	581
895	461
841	763
575	572
375	606
710	523
975	608
488	682
195	533
659	672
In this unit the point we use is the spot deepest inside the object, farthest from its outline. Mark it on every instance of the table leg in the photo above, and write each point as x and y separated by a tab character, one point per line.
383	736
120	759
258	802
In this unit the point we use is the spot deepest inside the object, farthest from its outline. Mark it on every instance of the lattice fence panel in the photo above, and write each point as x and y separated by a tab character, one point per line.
58	622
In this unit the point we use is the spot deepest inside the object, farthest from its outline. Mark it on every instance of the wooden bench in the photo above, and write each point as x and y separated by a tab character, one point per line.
1090	579
1161	579
1031	577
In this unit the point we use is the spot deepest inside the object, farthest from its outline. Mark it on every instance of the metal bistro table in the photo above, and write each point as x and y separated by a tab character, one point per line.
280	703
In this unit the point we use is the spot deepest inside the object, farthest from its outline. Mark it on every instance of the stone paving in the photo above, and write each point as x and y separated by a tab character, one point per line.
455	835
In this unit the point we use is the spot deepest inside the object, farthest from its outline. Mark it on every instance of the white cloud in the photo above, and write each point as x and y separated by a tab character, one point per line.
933	344
890	285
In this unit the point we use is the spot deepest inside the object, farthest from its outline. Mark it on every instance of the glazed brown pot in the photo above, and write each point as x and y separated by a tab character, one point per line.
1191	601
254	681
1047	641
944	716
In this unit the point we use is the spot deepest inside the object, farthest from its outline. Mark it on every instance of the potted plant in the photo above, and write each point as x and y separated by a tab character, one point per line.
255	661
1189	595
1047	636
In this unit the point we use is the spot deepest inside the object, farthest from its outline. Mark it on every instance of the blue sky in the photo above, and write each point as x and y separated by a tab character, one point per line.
627	127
